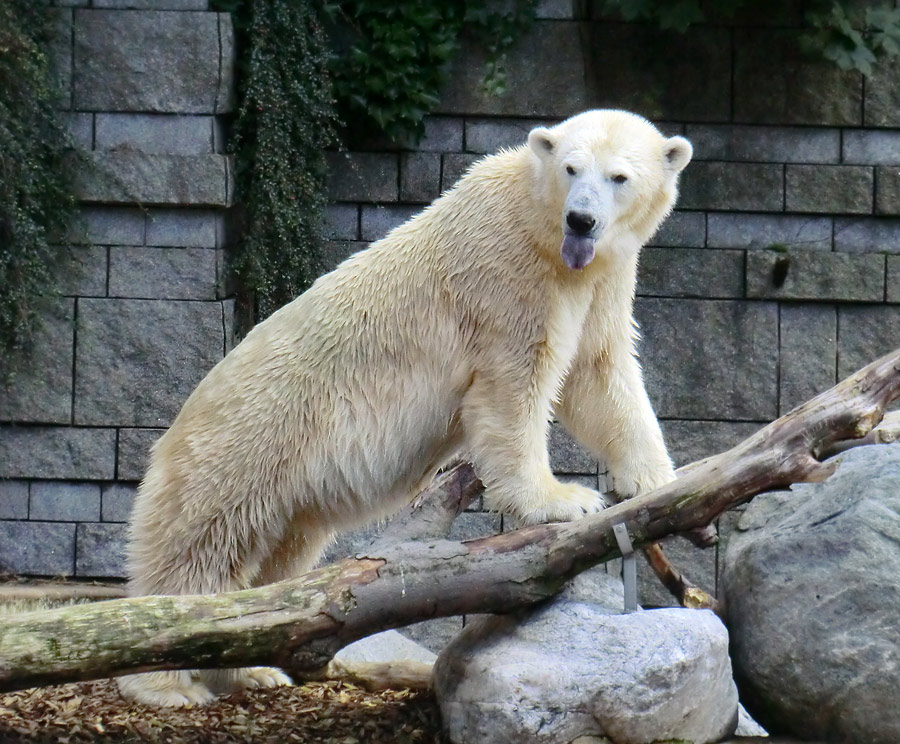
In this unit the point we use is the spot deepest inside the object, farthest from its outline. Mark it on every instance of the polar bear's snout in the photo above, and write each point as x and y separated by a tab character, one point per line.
581	223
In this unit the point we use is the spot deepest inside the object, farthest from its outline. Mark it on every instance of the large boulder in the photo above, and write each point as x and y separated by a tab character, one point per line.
578	667
812	586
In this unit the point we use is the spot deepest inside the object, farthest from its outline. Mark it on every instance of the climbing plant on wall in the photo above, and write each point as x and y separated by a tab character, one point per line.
36	201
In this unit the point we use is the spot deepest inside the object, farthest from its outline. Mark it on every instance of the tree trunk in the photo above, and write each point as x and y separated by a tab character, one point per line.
299	624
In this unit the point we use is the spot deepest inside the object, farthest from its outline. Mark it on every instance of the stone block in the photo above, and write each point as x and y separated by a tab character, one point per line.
893	279
81	128
378	221
13	499
127	176
767	230
567	455
698	564
149	61
767	144
871	147
776	83
689	441
57	452
867	235
109	226
39	388
100	550
808	349
363	176
185	228
59	53
116	501
710	359
454	167
691	272
133	452
53	501
680	77
533	88
865	333
420	176
138	360
840	189
226	96
815	275
337	251
82	271
155	133
163	273
153	4
471	525
342	222
882	105
887	191
682	230
489	135
556	9
37	548
733	186
442	134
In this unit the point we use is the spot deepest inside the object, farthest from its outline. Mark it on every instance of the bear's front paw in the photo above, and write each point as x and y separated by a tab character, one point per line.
634	481
567	502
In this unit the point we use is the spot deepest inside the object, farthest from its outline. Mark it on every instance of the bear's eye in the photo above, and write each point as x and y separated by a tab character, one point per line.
620	178
570	170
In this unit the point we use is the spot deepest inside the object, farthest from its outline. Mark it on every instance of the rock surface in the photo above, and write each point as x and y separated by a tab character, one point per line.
576	668
813	603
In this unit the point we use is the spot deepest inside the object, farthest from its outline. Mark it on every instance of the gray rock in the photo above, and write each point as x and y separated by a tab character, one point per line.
689	441
149	61
732	186
453	167
840	189
13	499
726	354
815	275
865	334
682	230
342	222
566	454
768	144
133	452
57	452
871	147
129	176
82	271
765	230
109	226
56	501
882	104
812	598
138	360
893	279
887	190
378	221
808	346
155	133
37	548
420	176
100	550
385	647
40	387
691	272
363	176
185	228
163	273
116	501
867	235
575	667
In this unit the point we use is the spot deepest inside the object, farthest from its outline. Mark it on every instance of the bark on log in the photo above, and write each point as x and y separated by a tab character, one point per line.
298	625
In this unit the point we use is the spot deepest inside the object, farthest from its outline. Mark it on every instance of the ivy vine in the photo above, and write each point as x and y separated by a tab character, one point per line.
36	195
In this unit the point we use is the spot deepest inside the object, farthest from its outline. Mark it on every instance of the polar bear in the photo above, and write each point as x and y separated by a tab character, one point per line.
506	301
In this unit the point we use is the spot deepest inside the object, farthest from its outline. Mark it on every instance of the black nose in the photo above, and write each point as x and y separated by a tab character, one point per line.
580	222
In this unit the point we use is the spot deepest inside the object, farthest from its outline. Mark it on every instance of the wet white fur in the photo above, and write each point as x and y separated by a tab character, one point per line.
461	331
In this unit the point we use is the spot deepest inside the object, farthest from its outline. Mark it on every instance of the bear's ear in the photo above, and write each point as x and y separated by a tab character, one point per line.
542	141
677	153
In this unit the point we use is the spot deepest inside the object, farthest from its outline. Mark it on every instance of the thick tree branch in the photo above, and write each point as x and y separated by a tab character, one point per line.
300	624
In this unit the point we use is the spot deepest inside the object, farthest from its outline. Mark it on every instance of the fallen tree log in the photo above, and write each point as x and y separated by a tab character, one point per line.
299	624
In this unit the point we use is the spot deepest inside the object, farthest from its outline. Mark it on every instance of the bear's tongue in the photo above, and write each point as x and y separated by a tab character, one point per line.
577	251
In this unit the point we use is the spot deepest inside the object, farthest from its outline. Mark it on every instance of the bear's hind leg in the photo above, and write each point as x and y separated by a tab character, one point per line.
169	689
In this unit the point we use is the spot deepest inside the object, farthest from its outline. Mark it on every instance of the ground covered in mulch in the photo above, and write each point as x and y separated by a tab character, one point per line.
332	712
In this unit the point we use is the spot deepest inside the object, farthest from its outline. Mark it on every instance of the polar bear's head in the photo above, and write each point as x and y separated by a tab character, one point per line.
612	176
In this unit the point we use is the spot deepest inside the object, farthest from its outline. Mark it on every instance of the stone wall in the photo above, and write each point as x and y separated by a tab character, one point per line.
141	315
778	274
